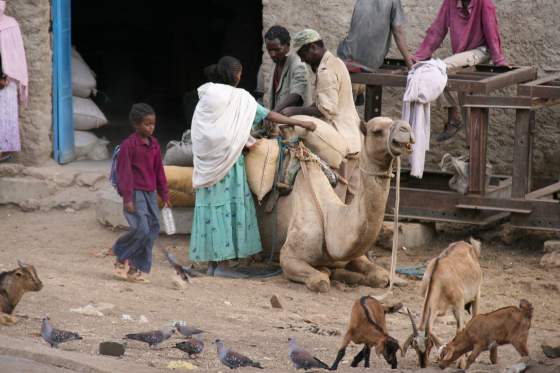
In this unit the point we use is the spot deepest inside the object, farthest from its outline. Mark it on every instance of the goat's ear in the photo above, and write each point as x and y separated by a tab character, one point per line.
406	345
476	246
363	128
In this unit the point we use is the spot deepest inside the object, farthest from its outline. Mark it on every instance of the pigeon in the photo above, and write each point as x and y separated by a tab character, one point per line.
192	346
152	338
56	336
234	360
303	359
187	331
183	272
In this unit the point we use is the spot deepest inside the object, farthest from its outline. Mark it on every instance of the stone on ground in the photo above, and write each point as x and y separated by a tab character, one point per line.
551	246
275	302
551	347
111	349
551	260
411	235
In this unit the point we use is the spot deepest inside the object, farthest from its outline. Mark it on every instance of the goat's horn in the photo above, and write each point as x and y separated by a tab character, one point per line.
414	329
20	263
427	324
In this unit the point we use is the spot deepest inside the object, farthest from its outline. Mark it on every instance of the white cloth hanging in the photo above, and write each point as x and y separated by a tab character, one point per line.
425	83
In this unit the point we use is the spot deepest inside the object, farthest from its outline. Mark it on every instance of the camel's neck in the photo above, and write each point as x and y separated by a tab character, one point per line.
364	216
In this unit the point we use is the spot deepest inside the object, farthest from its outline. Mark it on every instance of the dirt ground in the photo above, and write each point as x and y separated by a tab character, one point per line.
62	245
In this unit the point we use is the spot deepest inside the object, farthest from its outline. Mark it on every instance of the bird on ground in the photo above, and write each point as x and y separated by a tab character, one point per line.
152	338
192	346
55	336
187	331
182	271
234	360
303	359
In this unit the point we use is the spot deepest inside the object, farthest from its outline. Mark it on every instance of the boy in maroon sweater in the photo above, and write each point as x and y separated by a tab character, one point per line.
140	176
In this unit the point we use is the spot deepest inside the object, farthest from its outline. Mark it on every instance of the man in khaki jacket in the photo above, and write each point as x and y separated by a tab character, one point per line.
333	102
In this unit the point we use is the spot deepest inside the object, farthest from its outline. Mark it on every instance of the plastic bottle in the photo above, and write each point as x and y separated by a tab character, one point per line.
168	221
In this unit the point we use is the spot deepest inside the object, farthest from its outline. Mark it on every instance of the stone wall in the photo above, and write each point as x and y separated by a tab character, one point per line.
36	119
530	36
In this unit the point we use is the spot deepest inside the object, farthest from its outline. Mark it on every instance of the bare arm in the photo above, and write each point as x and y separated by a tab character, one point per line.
400	39
279	118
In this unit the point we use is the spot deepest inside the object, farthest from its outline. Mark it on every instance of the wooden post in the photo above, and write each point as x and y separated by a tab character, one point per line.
374	95
522	153
478	135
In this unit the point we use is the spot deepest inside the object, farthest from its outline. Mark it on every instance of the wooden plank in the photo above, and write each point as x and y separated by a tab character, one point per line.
543	80
504	102
374	99
478	136
493	208
506	79
552	92
379	78
544	192
522	153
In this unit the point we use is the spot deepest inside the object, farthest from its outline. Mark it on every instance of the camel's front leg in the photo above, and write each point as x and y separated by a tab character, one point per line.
374	275
298	270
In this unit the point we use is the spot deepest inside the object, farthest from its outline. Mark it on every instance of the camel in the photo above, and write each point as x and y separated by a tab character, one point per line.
317	245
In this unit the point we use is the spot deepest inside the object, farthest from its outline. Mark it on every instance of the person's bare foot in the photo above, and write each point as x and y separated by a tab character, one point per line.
120	270
137	276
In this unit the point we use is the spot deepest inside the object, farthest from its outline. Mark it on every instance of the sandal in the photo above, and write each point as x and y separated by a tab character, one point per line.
4	158
120	270
449	130
137	277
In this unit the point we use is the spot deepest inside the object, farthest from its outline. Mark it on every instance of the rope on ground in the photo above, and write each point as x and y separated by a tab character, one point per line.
395	234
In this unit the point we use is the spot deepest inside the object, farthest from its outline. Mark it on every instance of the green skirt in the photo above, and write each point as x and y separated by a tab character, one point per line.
225	223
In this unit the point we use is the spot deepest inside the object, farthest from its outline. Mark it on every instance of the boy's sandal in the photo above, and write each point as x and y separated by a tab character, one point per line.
120	270
138	277
5	158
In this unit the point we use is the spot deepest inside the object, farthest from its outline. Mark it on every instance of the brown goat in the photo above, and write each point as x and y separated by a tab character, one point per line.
509	325
367	326
13	284
452	280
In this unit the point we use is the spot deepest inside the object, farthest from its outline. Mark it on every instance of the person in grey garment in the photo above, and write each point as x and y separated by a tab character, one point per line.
369	39
288	85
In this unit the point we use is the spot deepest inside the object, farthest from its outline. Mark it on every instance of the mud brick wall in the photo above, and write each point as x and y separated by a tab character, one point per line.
35	119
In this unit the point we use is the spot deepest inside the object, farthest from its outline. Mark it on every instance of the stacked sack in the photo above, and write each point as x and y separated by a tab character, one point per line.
86	114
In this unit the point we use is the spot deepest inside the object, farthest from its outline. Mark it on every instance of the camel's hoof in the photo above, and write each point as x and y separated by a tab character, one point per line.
462	363
319	283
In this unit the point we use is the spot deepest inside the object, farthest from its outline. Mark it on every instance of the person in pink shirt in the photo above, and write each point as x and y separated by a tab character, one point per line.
475	39
140	179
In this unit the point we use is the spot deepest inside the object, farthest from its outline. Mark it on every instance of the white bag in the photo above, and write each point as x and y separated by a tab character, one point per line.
88	146
87	115
83	78
459	167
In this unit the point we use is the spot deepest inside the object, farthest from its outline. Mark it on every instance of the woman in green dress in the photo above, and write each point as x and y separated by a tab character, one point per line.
225	223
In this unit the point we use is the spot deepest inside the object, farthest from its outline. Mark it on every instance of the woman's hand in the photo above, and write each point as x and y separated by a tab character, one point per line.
3	82
129	207
167	204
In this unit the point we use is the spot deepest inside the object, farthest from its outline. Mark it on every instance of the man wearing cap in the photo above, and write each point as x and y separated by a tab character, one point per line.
333	102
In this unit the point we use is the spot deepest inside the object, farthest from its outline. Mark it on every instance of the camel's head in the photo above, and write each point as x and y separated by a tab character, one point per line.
386	139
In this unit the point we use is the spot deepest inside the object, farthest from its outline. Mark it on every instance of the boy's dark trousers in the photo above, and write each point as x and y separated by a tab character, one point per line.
136	245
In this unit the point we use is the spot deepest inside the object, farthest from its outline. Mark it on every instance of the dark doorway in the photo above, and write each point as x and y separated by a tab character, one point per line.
155	52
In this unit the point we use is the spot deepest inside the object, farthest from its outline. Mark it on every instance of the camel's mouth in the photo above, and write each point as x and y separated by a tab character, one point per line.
406	146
